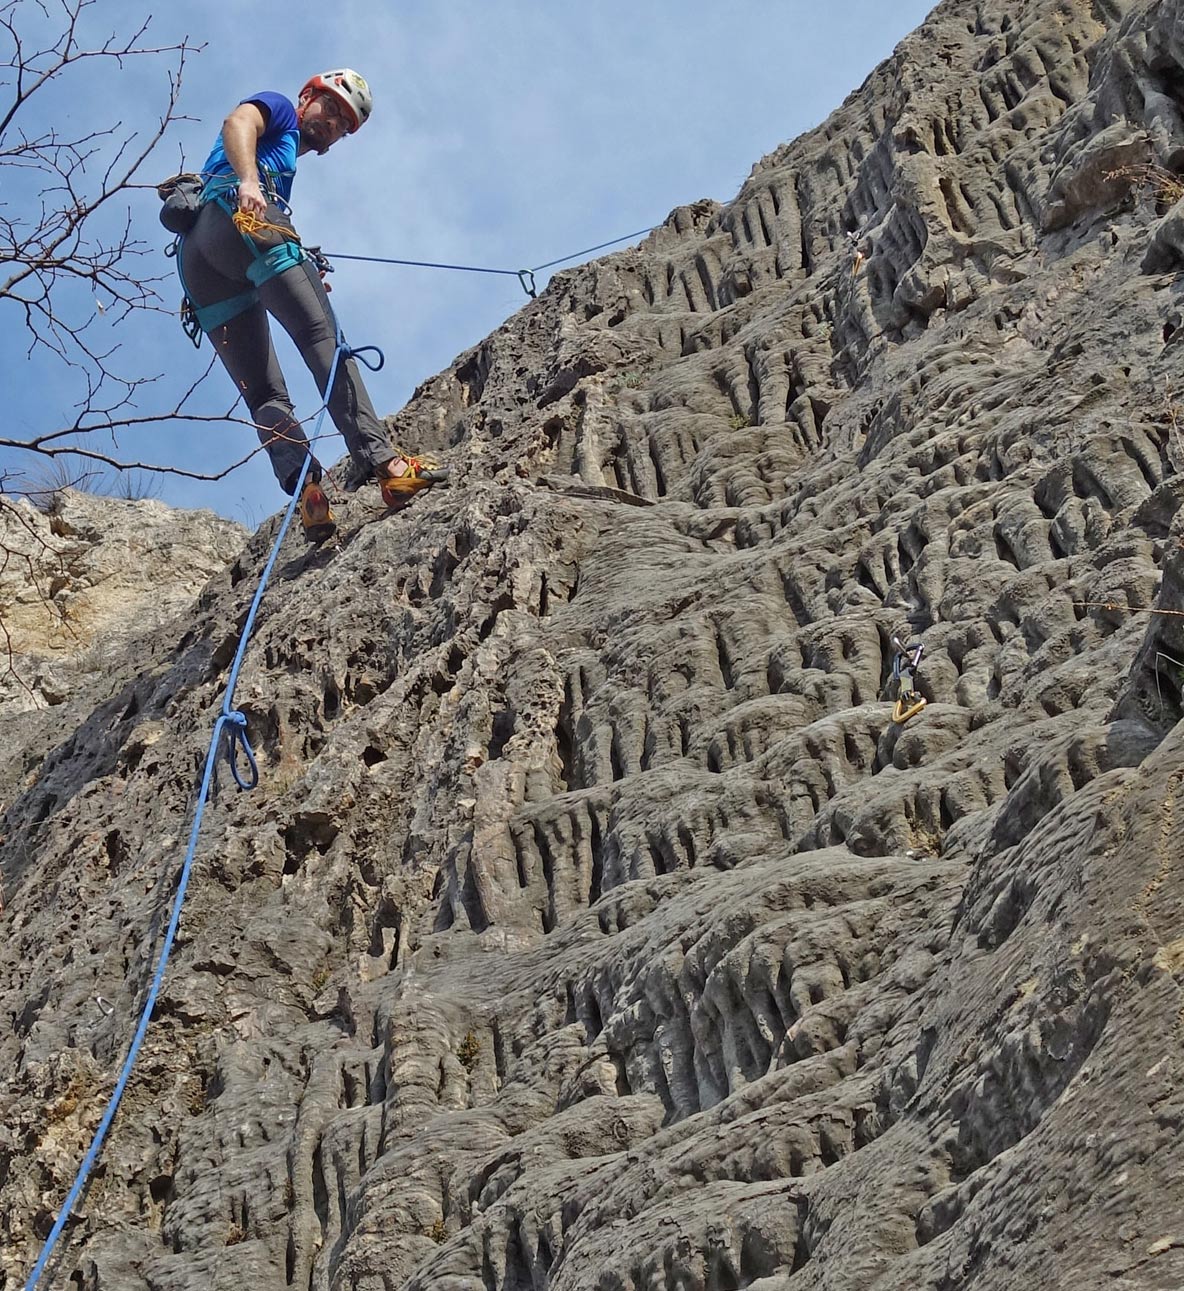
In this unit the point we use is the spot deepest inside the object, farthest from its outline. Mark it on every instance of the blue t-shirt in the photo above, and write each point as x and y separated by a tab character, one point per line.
275	150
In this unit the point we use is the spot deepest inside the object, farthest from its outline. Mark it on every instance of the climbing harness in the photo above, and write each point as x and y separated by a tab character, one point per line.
198	320
233	725
905	663
195	320
266	264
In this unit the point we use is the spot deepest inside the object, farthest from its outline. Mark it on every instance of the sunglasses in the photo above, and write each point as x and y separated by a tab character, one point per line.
333	110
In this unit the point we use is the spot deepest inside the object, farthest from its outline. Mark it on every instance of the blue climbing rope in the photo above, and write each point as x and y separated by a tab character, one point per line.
234	724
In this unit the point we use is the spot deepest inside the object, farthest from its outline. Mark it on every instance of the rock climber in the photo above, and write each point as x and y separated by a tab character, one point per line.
242	260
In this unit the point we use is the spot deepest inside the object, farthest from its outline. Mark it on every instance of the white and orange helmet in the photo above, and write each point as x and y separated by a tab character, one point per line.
348	88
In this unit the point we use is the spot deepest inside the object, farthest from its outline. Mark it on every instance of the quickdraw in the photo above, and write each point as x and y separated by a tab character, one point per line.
190	323
320	261
905	663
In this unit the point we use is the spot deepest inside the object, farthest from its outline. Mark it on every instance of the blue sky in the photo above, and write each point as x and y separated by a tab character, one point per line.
505	133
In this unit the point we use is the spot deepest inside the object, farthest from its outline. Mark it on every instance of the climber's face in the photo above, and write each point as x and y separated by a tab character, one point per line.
323	121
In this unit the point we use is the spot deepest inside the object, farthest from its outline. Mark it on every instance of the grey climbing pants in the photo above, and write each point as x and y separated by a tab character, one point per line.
214	260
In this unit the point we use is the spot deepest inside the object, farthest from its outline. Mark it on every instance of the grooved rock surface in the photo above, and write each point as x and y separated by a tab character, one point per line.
593	925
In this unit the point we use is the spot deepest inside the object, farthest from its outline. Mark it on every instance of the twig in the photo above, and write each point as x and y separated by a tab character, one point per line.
1130	609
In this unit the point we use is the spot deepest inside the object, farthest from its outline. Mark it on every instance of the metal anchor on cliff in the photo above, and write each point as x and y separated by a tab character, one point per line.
905	663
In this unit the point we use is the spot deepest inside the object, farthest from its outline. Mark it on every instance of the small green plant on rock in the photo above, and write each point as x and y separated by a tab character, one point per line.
438	1232
320	977
235	1234
467	1053
739	421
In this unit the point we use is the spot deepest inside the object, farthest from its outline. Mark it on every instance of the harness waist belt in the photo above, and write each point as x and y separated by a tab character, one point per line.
211	317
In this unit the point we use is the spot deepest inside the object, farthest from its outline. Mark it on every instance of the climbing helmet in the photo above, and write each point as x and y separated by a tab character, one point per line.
348	89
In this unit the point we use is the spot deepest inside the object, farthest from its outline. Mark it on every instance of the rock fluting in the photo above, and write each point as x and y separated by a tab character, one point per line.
593	925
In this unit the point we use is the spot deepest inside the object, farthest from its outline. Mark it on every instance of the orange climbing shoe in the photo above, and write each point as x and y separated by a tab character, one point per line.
315	513
407	477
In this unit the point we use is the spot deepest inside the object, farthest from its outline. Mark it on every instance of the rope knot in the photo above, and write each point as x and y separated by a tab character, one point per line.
237	739
349	352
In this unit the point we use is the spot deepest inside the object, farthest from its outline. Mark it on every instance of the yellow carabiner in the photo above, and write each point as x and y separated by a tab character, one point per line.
900	714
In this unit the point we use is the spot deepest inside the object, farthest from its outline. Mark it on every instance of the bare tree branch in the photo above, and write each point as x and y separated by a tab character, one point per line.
66	229
70	230
72	267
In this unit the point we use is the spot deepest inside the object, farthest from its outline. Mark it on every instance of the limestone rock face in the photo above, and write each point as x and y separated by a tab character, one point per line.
83	578
593	924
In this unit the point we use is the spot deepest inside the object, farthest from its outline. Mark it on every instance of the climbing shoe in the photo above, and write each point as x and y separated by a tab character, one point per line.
315	513
409	475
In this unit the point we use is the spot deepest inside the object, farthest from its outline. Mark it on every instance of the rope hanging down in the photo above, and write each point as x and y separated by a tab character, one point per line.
234	724
524	276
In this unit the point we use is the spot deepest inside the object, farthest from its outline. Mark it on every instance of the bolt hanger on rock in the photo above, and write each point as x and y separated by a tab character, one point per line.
905	663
